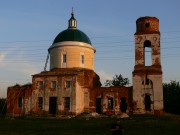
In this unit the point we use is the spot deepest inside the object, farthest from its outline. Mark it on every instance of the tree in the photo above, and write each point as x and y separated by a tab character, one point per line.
118	80
171	94
2	106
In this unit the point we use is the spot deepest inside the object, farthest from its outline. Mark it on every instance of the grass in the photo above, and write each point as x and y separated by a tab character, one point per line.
135	125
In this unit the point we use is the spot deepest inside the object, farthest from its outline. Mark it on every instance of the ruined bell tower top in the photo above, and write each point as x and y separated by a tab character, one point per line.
147	25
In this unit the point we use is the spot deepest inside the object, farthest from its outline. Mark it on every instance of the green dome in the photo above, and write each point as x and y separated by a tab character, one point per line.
72	35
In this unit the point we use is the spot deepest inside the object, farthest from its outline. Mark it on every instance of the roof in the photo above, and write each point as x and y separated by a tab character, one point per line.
72	35
63	71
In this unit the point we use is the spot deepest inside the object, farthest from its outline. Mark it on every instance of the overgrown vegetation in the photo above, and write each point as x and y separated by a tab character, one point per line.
2	106
118	80
135	125
171	96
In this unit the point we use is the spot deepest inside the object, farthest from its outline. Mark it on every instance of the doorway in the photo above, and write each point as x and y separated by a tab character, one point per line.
147	102
52	105
98	105
123	105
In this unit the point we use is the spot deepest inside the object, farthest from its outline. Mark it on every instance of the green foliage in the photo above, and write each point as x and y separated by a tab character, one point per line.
173	85
2	106
171	95
118	80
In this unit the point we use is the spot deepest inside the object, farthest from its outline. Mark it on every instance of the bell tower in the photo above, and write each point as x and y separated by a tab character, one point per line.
147	78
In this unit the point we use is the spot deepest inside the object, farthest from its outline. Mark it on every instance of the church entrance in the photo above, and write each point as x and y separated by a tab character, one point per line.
52	105
147	102
123	105
148	91
98	105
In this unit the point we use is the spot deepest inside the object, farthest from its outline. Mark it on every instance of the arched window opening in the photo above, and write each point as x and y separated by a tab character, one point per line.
147	53
147	82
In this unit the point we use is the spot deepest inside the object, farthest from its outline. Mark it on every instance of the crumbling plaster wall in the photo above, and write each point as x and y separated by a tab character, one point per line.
13	94
111	92
147	35
81	80
60	92
155	93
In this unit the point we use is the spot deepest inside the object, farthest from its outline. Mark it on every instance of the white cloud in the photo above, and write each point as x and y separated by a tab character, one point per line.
104	76
23	65
2	57
17	67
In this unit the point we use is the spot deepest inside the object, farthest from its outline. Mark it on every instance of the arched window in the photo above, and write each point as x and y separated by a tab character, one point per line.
147	82
147	53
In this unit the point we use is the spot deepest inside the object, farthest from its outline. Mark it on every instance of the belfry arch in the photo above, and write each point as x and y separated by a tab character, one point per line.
147	53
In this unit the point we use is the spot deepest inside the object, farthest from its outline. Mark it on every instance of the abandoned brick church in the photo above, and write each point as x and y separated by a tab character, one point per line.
72	87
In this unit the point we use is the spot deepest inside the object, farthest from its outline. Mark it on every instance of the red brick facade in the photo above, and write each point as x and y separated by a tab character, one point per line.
85	95
18	100
116	93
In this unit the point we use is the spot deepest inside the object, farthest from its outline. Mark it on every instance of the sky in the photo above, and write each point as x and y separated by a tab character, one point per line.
28	28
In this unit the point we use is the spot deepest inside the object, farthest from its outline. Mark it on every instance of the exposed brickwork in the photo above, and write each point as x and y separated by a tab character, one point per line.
116	93
80	79
13	95
85	89
147	25
147	79
77	90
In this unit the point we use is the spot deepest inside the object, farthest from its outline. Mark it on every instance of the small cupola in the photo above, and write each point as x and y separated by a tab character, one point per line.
72	21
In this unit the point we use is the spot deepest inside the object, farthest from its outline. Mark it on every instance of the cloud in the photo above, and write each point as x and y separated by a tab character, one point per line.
16	67
2	55
2	58
104	75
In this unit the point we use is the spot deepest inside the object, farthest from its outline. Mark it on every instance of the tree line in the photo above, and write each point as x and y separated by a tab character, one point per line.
171	94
